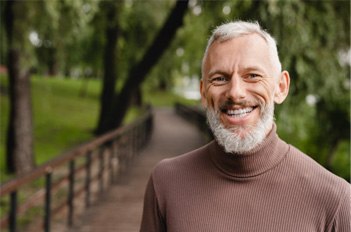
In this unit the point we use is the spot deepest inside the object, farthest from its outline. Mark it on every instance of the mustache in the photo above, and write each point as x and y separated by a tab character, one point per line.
244	103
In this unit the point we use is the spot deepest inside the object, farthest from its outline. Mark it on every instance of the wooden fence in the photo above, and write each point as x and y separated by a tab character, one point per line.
62	188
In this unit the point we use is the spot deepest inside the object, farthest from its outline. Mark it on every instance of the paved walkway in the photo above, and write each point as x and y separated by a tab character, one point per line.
121	207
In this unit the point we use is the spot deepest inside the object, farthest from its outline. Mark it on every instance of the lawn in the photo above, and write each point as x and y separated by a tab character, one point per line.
65	113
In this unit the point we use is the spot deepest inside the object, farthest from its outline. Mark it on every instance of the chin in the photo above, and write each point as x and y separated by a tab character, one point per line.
240	138
241	131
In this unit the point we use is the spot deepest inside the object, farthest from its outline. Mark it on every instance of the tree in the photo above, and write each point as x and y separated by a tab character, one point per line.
19	156
111	11
138	72
62	29
50	24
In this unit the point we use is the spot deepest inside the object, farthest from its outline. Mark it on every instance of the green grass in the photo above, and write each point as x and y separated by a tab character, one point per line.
63	116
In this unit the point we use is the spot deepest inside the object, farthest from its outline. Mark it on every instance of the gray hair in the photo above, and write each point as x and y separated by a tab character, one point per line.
236	29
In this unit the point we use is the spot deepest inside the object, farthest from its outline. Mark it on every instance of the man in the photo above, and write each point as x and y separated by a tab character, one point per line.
247	179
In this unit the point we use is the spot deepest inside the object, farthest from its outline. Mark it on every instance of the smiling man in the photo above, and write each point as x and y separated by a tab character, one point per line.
247	179
241	81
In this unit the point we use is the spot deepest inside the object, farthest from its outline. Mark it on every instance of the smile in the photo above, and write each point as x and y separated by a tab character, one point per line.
238	113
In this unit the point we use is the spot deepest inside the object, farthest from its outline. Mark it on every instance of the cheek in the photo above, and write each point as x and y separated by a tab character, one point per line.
264	91
210	100
212	97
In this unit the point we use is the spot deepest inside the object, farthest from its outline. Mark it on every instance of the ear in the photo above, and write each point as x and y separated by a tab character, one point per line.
203	94
283	87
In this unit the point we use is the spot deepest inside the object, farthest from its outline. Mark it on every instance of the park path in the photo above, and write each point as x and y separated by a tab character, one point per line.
120	208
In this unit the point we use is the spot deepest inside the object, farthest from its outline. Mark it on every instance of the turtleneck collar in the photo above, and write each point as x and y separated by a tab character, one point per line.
255	162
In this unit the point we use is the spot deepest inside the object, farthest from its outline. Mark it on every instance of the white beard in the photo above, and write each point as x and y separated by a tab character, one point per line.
233	140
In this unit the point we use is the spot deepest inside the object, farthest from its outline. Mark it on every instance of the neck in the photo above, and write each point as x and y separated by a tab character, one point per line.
255	162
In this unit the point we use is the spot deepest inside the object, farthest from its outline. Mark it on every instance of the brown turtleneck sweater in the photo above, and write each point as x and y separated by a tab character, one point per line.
275	187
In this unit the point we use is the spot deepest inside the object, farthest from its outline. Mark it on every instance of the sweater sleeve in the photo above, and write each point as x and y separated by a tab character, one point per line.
342	219
152	220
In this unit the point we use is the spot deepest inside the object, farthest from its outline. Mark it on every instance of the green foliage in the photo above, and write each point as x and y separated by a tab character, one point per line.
60	31
139	25
63	118
3	40
341	161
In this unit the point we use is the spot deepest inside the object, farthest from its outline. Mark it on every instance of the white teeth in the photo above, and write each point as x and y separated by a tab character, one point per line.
240	112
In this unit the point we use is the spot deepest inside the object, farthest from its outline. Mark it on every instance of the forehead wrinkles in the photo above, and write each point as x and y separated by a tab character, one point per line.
233	30
247	53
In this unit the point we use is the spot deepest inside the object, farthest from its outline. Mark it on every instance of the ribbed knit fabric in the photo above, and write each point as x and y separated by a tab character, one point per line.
273	188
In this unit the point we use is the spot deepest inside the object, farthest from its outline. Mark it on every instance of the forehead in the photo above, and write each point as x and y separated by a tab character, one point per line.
249	49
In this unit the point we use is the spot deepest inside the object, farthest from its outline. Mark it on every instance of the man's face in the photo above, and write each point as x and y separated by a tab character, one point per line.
240	82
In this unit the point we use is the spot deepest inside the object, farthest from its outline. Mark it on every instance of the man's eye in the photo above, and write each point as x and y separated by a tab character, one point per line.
253	76
219	80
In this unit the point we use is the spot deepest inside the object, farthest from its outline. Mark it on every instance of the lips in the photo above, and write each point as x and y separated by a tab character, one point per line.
239	112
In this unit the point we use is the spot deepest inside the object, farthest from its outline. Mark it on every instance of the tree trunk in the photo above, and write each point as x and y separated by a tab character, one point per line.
137	98
138	73
110	62
52	61
19	152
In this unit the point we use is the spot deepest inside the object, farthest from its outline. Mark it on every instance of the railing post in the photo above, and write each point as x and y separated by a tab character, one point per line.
140	136
101	169
47	205
132	143
134	139
71	192
87	179
111	161
13	212
117	160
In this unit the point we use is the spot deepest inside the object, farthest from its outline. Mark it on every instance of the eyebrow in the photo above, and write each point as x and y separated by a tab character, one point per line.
212	72
245	68
254	68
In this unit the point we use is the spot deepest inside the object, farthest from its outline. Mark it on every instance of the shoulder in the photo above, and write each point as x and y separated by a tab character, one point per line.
321	186
307	168
179	173
181	163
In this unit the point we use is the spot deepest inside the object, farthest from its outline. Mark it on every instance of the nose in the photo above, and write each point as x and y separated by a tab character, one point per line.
236	89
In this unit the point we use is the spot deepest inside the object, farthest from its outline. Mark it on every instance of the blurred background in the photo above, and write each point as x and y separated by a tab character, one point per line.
72	70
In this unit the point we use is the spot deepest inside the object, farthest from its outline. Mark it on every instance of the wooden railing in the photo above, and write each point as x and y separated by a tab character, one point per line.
195	115
65	186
